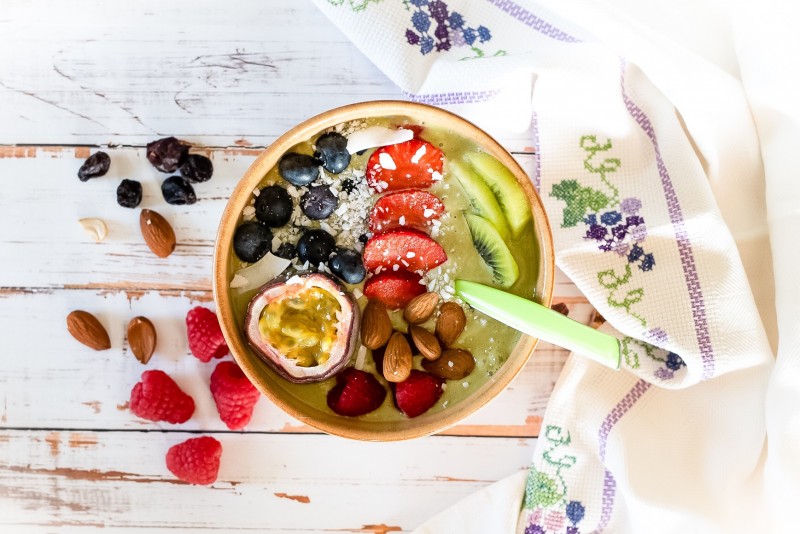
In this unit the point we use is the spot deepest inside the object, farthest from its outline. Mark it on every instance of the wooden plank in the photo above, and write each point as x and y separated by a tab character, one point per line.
270	483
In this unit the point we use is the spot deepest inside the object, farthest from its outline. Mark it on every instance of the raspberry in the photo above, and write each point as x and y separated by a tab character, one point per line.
158	398
418	393
196	460
234	395
355	393
205	335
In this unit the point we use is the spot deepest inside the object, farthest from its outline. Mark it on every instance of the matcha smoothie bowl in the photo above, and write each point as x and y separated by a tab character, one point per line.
336	258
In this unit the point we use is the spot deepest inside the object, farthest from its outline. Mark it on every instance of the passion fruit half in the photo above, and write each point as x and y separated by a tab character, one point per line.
304	326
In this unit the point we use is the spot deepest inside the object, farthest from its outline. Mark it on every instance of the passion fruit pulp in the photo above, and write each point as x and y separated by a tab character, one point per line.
305	326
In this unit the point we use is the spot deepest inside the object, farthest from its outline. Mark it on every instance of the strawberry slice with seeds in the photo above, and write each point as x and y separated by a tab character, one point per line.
418	393
355	393
411	208
394	289
403	250
412	164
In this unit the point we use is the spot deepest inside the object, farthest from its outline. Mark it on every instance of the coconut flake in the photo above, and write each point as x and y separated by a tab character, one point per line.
361	357
418	154
376	136
259	273
386	161
238	281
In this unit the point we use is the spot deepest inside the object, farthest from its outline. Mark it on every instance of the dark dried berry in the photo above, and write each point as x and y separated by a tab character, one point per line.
286	251
298	169
95	165
167	154
274	206
332	152
363	238
315	246
318	202
197	168
252	241
178	191
129	193
347	265
348	185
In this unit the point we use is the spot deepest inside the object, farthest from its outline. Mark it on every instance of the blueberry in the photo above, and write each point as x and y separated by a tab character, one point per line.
274	206
197	168
363	238
252	241
167	154
95	165
178	191
315	247
347	265
129	193
348	186
298	169
318	202
286	251
332	152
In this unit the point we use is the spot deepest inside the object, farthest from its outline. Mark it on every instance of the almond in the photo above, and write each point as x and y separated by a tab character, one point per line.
157	233
87	329
397	360
450	323
142	338
426	343
454	364
420	308
376	326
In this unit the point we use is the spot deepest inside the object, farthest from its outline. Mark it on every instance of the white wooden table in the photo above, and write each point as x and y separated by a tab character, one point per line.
229	77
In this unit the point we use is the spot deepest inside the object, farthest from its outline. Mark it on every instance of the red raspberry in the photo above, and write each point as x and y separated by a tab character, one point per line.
234	395
205	335
418	393
355	393
158	398
196	460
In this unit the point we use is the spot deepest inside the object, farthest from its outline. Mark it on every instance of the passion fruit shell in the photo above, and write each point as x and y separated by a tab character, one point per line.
348	323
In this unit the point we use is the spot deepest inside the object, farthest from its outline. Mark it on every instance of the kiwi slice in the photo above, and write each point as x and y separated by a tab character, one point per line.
493	250
510	196
480	197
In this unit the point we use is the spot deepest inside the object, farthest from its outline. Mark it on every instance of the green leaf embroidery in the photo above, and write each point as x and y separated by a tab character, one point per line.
540	490
579	199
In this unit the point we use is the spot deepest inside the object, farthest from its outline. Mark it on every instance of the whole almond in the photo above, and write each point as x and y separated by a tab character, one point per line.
142	338
157	233
420	308
397	360
454	364
426	343
376	326
450	323
87	329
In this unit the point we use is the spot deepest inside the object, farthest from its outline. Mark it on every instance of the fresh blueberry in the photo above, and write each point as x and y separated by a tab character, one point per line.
286	251
252	241
129	193
274	206
332	152
347	265
95	165
318	202
315	247
197	168
178	191
298	169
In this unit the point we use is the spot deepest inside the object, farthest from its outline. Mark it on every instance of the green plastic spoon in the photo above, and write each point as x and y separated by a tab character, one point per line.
540	321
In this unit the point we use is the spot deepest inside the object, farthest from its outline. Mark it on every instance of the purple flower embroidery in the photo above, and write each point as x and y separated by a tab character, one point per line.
449	27
630	206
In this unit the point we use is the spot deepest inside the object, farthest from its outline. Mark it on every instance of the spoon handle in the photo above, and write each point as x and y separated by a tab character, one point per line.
540	321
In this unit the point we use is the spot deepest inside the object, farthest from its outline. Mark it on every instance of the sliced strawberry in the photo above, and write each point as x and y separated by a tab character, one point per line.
411	208
407	250
418	393
355	393
414	163
394	288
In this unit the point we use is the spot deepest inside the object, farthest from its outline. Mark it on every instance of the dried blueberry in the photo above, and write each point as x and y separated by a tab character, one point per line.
363	238
315	246
298	169
95	165
178	191
332	152
274	206
286	251
129	193
318	202
348	186
167	154
252	241
347	265
197	168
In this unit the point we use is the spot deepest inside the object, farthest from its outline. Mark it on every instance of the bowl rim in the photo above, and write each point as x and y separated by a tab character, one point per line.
268	158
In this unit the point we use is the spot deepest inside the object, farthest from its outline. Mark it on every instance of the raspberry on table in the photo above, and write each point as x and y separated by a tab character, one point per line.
233	394
196	460
205	335
158	398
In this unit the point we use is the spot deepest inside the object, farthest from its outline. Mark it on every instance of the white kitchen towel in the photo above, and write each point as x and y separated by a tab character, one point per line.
649	162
